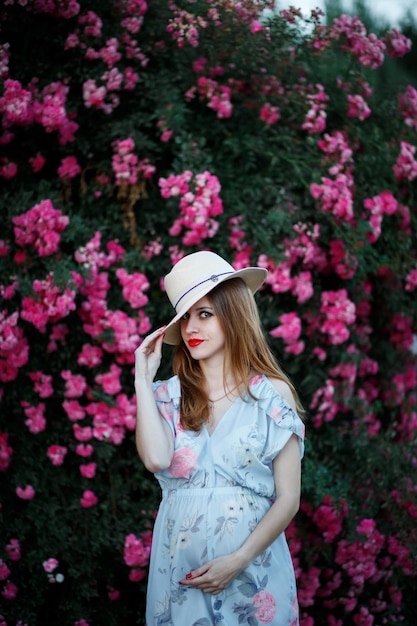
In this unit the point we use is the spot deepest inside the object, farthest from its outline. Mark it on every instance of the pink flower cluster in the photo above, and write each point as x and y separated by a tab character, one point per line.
315	120
397	44
50	112
50	565
42	384
359	559
329	518
357	107
14	347
8	291
69	168
339	312
5	452
408	106
339	154
366	561
65	9
35	416
411	279
16	105
238	242
126	165
199	203
91	258
269	114
136	554
8	169
4	60
304	250
343	262
185	26
134	286
378	206
25	493
23	107
56	454
88	499
333	397
289	331
405	168
49	304
110	421
103	95
368	49
75	384
92	24
118	333
40	227
400	331
218	96
335	196
14	554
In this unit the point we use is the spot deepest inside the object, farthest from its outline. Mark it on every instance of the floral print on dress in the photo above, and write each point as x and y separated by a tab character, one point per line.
216	490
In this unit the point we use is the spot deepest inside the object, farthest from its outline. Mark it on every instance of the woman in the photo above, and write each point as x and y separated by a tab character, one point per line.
225	442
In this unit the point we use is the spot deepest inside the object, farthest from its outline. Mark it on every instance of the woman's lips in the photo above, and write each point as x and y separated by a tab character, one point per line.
193	343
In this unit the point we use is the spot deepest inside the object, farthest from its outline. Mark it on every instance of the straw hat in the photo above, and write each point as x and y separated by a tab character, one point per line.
194	276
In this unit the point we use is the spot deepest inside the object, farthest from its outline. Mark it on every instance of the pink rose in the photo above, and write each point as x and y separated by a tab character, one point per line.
183	463
135	575
4	570
136	552
84	450
89	499
50	565
25	494
13	550
9	591
56	454
266	607
88	470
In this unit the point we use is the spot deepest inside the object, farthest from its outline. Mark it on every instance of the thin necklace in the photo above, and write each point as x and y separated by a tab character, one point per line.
230	391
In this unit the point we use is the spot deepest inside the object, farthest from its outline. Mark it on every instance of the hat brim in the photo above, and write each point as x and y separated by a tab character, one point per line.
253	277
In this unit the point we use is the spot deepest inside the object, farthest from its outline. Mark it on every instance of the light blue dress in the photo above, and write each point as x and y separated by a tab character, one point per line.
214	493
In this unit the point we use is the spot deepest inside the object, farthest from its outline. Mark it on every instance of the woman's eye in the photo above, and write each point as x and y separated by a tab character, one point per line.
206	314
185	316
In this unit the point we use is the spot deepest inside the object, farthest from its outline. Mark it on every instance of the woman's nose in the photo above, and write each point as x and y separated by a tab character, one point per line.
191	325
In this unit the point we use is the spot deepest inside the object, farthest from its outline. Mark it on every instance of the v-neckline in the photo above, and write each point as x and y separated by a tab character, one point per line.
210	434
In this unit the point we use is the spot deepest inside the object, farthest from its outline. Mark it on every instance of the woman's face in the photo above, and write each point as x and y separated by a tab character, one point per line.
201	331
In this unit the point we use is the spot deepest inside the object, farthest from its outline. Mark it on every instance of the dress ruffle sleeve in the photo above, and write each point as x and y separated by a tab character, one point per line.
281	420
167	395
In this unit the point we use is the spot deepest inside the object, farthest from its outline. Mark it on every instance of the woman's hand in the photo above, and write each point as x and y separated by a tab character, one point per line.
215	576
148	355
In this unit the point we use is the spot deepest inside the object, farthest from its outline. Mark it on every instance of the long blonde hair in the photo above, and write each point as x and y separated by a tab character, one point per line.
246	349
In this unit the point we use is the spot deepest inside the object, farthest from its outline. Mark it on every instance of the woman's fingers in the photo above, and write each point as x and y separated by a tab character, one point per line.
148	344
148	354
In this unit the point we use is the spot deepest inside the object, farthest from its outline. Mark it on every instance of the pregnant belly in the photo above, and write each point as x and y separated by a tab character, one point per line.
206	523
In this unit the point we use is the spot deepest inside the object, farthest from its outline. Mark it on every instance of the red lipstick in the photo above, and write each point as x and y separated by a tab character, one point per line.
193	343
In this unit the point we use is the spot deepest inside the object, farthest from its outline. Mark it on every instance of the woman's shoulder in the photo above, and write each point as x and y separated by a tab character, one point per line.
274	386
276	400
167	390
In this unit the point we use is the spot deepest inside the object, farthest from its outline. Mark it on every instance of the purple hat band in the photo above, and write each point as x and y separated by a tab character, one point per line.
214	278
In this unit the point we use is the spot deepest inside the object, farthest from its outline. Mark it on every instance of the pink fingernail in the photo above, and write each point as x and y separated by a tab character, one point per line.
189	576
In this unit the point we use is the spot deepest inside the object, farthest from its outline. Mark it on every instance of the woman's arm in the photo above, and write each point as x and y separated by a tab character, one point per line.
154	439
287	475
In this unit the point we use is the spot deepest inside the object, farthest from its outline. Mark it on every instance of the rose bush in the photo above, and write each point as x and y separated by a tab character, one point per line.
132	134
